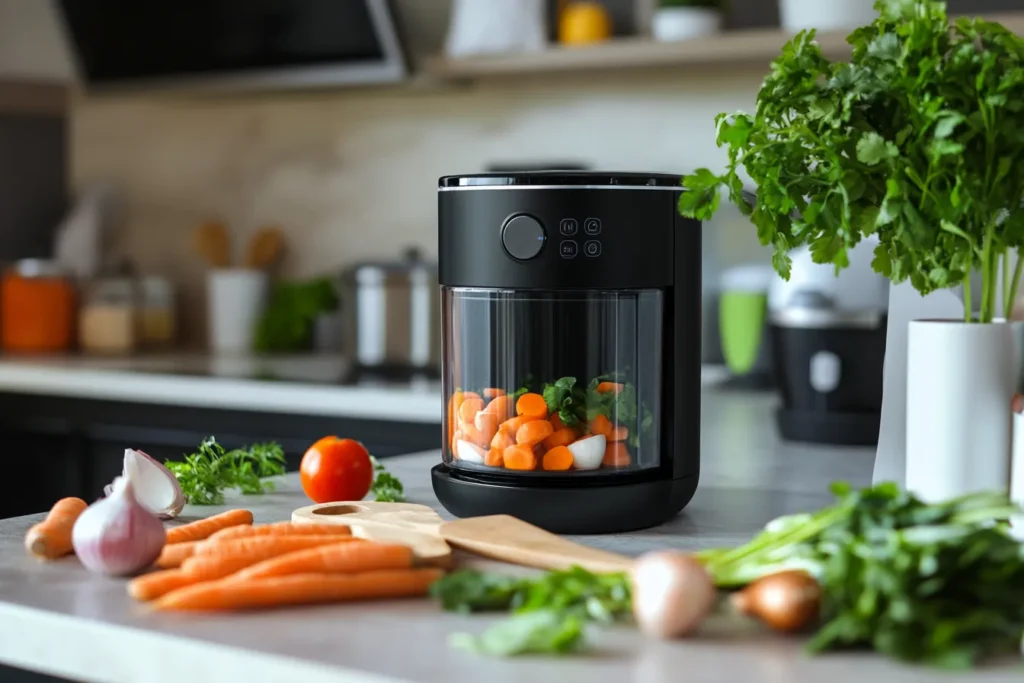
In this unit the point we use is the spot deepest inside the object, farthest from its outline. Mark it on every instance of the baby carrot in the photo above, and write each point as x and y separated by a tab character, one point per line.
601	425
534	432
495	457
493	393
217	565
609	388
281	529
300	589
469	408
520	458
473	435
616	455
174	554
503	440
561	437
500	407
343	558
151	586
204	528
532	407
51	538
557	459
618	433
512	425
487	425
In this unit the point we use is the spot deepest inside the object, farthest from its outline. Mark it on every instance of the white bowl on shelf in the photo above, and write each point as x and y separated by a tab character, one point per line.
826	15
671	24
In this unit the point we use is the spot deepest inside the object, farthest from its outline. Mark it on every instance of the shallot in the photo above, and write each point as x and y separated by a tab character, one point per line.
672	594
155	487
787	601
116	535
588	453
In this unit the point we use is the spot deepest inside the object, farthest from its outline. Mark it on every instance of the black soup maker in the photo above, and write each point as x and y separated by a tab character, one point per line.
571	348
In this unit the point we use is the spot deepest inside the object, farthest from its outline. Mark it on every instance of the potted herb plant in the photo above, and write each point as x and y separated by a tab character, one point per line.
684	19
918	140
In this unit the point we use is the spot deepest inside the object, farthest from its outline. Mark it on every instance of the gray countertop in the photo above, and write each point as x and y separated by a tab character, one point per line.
59	619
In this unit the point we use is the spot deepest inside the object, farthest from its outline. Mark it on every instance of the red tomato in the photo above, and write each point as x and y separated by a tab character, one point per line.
336	469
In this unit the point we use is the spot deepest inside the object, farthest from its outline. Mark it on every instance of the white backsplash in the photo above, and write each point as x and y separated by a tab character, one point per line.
352	175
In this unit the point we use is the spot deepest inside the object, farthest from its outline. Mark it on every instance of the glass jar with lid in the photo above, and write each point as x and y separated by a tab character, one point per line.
157	316
37	307
108	319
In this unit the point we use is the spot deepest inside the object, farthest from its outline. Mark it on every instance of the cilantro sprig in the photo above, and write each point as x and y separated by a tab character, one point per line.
207	473
917	139
386	488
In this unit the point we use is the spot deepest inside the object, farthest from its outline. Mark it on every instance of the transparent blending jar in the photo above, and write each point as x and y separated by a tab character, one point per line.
571	306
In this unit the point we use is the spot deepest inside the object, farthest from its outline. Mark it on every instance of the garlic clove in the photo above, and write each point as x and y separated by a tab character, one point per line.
155	487
116	535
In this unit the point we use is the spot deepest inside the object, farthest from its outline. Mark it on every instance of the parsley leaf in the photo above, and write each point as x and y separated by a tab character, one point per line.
386	488
206	474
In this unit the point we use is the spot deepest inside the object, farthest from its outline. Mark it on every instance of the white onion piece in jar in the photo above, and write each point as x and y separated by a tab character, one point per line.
588	453
156	489
469	452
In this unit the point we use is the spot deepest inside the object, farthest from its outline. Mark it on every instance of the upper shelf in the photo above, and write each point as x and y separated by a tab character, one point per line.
751	47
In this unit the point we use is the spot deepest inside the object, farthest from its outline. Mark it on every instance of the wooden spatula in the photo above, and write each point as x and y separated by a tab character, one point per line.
498	537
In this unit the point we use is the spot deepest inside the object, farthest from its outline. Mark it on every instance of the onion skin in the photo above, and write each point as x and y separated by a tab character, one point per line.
116	535
672	594
177	504
788	601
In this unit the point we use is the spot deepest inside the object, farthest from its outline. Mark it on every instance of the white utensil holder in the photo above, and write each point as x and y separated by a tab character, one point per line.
236	298
826	15
961	379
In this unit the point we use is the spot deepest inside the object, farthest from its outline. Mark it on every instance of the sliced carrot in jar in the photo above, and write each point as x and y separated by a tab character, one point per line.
560	437
469	408
616	455
474	435
609	388
558	459
532	406
520	458
533	432
601	425
495	457
512	425
486	424
618	433
500	407
502	440
493	392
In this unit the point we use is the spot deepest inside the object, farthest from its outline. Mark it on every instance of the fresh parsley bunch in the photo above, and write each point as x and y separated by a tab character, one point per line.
917	139
207	473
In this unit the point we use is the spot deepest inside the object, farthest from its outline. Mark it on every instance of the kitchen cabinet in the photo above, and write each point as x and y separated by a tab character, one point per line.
58	446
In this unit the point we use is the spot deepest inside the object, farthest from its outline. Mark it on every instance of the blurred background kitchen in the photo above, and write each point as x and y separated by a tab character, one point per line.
220	217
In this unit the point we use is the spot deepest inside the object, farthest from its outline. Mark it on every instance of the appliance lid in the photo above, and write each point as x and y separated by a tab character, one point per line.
232	44
563	178
811	309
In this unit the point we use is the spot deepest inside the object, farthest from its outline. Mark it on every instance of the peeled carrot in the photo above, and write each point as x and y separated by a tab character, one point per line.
257	544
474	435
512	425
174	554
609	388
557	459
532	407
151	586
300	589
534	432
618	433
560	437
616	455
486	425
601	425
556	421
501	407
216	565
493	393
204	528
281	529
495	457
469	408
344	558
503	440
520	458
51	538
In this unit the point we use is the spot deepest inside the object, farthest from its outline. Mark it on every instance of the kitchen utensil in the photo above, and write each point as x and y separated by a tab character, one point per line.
742	323
391	316
211	241
265	249
828	339
558	282
38	305
498	537
236	298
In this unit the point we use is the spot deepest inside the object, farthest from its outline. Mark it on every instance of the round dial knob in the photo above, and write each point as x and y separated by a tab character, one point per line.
523	237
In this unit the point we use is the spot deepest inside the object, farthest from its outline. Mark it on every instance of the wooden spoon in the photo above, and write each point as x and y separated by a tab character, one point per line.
498	537
211	241
265	249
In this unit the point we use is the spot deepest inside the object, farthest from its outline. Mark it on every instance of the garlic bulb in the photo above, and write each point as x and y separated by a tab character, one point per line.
116	535
155	487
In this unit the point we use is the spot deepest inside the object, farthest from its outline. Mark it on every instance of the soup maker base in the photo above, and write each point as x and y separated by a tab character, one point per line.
594	508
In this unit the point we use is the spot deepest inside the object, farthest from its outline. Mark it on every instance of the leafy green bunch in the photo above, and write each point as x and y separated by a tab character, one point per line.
207	473
287	323
917	139
575	405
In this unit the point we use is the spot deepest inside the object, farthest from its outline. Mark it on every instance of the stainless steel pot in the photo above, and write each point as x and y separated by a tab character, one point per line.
392	324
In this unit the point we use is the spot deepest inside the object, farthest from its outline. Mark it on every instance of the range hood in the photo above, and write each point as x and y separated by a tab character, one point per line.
232	44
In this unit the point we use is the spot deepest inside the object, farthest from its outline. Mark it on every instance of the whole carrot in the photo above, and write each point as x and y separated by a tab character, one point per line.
51	538
174	554
339	558
153	585
257	544
299	589
220	564
204	528
281	529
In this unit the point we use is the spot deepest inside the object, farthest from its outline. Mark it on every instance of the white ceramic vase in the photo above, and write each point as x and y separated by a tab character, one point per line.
826	15
683	23
236	298
961	379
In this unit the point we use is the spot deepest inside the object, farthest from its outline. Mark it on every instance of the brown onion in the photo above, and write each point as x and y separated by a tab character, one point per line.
672	594
788	601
